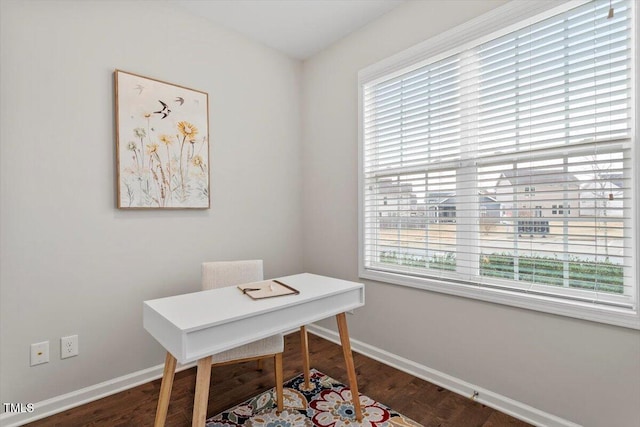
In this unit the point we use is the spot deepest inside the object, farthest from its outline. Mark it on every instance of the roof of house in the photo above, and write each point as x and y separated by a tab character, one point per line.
450	198
537	176
387	186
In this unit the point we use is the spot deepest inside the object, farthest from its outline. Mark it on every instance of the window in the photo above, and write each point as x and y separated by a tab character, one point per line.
538	211
561	209
481	141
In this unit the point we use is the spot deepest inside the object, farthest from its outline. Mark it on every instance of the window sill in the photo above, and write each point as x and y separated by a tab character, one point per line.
626	318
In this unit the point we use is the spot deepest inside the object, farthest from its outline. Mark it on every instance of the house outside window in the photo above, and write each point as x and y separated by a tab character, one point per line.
488	143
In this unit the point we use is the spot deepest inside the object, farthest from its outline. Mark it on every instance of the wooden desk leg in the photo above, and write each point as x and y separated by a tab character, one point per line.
348	360
304	344
165	390
279	381
201	399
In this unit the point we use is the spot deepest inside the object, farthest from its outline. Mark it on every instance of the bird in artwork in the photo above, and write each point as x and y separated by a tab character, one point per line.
165	110
139	88
180	100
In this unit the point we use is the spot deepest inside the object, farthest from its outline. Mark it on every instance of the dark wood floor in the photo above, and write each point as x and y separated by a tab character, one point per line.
425	403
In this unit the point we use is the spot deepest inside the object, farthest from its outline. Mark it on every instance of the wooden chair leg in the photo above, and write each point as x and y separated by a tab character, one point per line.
279	380
304	344
260	364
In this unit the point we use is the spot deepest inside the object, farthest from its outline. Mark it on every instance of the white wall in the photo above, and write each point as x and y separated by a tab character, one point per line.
73	264
584	372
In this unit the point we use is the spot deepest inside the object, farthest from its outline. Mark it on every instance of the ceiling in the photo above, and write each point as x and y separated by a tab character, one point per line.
298	28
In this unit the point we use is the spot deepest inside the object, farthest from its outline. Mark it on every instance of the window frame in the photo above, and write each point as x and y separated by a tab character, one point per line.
500	21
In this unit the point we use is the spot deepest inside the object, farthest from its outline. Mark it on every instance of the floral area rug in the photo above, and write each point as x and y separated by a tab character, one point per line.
326	404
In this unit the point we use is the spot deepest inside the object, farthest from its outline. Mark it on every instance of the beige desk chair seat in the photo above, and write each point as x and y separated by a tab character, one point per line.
233	273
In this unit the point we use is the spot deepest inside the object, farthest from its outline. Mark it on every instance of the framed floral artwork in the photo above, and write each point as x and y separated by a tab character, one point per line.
162	144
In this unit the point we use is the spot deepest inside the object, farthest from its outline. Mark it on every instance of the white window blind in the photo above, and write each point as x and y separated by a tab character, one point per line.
507	166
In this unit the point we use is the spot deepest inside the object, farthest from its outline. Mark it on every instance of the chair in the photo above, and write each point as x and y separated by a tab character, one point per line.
232	273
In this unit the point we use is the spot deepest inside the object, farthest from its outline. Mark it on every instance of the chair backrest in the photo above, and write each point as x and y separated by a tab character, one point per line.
219	274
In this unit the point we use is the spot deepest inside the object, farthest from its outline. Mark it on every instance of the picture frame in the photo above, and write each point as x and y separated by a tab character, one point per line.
162	144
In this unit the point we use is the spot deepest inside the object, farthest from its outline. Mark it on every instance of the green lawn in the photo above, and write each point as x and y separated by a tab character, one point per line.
603	276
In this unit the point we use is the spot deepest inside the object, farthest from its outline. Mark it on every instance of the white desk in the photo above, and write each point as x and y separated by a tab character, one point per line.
197	325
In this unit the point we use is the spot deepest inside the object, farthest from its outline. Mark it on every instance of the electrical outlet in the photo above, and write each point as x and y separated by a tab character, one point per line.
68	346
39	353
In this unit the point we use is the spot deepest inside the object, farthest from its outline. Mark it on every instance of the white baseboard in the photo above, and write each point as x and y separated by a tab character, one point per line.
486	397
63	402
514	408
